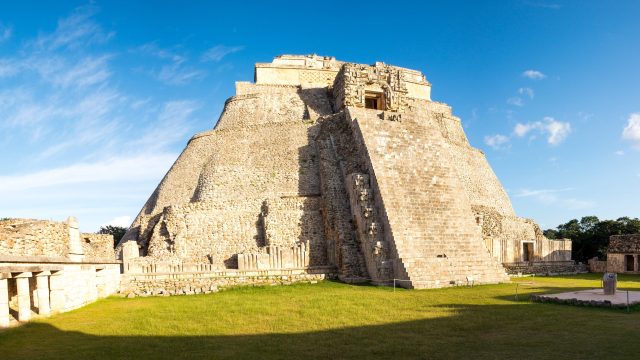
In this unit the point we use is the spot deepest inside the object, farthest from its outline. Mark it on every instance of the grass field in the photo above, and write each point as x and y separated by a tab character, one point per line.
331	320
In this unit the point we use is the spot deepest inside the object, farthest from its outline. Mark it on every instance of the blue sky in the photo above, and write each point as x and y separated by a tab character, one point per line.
97	99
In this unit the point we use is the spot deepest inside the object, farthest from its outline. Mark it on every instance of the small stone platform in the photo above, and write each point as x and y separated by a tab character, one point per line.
591	297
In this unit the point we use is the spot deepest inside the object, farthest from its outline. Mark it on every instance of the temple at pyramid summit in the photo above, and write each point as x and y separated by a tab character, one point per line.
335	169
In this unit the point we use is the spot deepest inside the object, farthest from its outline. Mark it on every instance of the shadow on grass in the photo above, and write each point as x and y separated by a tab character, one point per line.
463	331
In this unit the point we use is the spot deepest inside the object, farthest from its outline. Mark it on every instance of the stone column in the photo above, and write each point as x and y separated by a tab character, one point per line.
56	294
130	251
76	253
24	296
4	300
42	287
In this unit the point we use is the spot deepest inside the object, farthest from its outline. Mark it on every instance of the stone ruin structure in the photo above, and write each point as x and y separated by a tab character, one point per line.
328	168
48	267
623	255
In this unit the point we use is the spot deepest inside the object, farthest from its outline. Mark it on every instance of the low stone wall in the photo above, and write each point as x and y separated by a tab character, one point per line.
32	286
31	237
597	266
576	302
189	283
544	268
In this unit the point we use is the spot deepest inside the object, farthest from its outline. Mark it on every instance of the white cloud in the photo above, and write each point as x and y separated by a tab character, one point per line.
496	141
66	128
75	31
534	74
5	32
176	71
522	129
516	101
172	124
138	167
632	130
122	221
619	153
538	192
526	91
218	52
88	71
552	197
175	74
555	131
8	68
166	54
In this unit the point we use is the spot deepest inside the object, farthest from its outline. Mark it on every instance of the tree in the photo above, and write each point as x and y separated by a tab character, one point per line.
117	232
590	235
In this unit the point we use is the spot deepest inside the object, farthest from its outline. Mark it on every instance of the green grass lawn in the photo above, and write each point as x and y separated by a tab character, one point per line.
331	320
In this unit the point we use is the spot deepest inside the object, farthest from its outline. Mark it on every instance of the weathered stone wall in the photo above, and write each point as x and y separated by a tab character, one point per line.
616	263
627	244
623	263
309	71
545	268
597	266
30	237
623	253
295	220
189	285
504	236
254	188
97	247
245	159
339	156
280	104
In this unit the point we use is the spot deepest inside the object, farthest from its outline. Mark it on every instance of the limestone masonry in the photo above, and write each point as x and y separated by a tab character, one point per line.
48	267
327	168
623	255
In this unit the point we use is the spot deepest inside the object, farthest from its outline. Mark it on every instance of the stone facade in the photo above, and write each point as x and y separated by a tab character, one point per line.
181	282
29	237
623	255
545	268
48	267
348	168
55	240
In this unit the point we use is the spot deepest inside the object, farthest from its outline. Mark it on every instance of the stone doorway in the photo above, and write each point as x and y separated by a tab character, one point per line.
527	251
629	262
373	100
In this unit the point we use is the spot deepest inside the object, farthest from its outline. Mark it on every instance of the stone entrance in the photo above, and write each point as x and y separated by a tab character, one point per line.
527	251
373	100
629	262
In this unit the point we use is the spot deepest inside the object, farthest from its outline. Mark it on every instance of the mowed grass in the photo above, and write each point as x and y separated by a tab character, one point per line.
332	320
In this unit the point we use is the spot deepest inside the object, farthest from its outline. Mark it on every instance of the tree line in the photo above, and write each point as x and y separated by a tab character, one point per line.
590	235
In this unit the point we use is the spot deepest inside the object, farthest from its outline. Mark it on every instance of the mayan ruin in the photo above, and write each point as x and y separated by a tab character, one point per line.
320	169
341	169
336	180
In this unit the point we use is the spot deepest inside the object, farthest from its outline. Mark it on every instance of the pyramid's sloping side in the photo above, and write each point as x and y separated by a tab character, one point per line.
427	214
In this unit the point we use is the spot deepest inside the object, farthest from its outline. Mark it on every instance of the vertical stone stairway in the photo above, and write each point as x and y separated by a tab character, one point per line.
429	216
